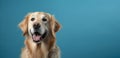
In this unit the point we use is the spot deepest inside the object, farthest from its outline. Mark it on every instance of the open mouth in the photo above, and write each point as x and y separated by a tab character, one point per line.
37	37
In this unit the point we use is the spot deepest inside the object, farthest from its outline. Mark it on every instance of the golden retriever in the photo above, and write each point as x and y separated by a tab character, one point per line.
39	29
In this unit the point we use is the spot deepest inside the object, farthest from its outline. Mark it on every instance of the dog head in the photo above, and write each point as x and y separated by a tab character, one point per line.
39	26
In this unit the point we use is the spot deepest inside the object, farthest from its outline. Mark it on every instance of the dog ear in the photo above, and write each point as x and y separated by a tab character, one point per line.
57	26
24	25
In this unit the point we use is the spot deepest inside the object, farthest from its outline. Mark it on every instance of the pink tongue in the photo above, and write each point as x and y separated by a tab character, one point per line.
36	37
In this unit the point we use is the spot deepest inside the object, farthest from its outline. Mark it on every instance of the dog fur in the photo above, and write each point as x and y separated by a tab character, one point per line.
47	48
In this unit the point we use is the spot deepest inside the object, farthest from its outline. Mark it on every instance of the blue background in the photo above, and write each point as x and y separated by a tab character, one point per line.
90	28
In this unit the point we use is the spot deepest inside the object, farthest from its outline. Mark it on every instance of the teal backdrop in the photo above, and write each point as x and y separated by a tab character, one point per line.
90	28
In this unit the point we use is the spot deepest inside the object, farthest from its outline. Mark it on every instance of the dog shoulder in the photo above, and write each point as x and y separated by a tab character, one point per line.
54	52
25	53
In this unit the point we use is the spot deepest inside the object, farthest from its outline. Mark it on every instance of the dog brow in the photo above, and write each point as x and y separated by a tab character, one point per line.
42	16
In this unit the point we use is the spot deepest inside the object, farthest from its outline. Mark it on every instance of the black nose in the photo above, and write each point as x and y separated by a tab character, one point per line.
36	26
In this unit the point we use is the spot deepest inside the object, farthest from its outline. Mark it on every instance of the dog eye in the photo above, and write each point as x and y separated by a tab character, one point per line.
32	19
44	19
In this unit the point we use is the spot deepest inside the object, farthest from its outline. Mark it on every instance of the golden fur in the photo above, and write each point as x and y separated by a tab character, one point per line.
47	48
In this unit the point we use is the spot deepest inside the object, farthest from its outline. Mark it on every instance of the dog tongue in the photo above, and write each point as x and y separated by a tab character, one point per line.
36	37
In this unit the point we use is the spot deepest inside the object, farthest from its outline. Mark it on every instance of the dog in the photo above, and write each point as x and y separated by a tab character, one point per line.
39	29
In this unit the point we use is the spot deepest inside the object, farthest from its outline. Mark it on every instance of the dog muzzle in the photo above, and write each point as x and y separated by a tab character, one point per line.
38	37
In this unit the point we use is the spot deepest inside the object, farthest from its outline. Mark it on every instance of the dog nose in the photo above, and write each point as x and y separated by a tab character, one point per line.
36	26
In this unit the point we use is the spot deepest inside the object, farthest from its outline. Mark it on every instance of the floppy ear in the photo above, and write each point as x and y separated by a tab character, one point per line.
56	24
24	25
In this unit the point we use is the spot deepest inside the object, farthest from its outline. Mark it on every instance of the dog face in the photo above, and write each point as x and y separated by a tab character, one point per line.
39	25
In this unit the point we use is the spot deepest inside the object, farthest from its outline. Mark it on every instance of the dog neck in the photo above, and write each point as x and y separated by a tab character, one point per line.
39	50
